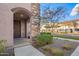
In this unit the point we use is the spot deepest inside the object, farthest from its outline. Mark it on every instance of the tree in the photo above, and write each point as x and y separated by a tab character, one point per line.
74	24
54	15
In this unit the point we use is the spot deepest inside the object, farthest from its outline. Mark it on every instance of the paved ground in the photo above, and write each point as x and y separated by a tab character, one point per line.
66	39
27	51
67	35
76	52
18	42
21	40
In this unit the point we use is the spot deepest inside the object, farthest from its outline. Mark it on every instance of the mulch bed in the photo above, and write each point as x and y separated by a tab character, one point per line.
59	44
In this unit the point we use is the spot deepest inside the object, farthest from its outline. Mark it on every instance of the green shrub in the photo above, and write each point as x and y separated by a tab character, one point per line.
43	39
57	52
67	46
2	46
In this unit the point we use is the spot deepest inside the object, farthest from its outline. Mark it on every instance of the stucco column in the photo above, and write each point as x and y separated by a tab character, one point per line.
28	29
31	33
22	28
9	29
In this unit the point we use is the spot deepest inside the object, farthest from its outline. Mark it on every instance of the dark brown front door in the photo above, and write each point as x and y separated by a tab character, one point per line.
17	28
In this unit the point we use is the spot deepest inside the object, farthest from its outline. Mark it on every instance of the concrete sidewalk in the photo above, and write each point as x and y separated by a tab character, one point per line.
76	52
27	51
66	39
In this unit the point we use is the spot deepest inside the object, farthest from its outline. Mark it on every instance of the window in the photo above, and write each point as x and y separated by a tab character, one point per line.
76	29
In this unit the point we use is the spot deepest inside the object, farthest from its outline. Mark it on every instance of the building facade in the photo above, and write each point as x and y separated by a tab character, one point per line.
67	27
17	20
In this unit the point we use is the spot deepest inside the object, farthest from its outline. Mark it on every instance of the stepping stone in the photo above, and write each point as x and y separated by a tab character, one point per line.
76	52
27	51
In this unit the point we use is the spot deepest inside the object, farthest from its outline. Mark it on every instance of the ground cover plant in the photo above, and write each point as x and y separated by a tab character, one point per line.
67	46
5	51
2	46
53	50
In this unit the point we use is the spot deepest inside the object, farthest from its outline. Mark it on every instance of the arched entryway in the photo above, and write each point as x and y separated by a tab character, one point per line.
21	19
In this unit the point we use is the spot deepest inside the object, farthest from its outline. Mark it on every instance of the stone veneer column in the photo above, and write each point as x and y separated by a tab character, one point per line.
34	20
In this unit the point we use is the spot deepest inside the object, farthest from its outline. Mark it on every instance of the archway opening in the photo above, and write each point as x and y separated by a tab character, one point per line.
21	19
20	24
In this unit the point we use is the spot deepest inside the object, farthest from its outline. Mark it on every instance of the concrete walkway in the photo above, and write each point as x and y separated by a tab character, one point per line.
66	39
76	52
27	51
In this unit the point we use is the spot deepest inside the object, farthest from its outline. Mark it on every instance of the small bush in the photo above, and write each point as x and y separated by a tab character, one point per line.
43	39
67	46
2	46
57	52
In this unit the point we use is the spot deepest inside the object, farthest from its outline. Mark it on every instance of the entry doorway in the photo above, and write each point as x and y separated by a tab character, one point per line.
17	29
21	24
20	28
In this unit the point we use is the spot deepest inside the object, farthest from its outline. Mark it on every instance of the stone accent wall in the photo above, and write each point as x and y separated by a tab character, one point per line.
35	19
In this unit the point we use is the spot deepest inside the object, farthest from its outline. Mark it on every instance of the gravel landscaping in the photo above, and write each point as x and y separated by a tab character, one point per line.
62	47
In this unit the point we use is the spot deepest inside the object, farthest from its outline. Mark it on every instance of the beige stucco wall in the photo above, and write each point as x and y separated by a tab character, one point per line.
6	21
